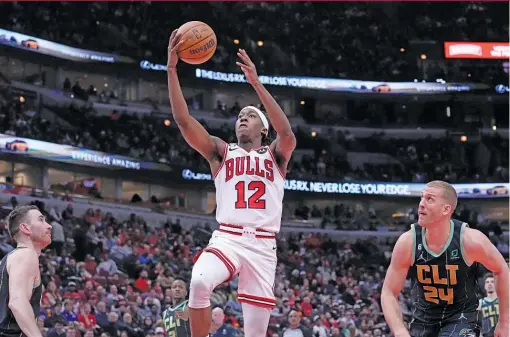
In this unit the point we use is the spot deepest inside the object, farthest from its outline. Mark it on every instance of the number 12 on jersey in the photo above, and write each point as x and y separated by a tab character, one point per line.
256	190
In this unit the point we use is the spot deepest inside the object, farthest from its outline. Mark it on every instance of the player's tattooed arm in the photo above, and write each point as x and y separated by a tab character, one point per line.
285	142
401	261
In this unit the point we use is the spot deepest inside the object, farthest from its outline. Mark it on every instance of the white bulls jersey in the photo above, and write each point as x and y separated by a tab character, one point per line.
249	189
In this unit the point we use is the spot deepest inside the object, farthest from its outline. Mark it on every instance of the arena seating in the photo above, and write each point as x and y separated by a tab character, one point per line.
109	274
335	40
121	266
148	139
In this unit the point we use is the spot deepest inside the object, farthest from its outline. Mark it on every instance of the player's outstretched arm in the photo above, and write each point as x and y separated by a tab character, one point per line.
285	142
401	260
195	134
23	267
478	248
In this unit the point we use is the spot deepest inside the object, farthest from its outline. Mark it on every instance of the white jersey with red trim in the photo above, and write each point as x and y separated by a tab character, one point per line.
249	189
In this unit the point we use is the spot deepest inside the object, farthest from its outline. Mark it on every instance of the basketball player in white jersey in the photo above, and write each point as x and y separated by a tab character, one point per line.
249	178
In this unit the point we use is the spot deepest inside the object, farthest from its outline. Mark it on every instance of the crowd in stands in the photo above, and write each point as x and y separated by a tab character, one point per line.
109	277
320	39
149	139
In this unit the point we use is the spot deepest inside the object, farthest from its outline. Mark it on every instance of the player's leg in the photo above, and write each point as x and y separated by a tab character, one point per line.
256	281
256	320
423	330
210	270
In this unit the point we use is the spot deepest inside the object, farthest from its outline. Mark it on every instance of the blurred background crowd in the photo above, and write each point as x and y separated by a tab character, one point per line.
345	40
111	276
116	250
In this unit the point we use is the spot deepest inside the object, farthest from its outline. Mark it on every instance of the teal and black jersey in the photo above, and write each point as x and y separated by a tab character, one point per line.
8	325
490	315
443	286
176	327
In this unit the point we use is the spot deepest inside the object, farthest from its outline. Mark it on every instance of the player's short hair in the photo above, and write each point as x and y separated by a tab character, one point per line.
488	275
181	280
17	217
449	193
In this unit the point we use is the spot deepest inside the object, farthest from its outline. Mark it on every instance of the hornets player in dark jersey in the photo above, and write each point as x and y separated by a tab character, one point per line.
20	278
489	307
441	256
175	318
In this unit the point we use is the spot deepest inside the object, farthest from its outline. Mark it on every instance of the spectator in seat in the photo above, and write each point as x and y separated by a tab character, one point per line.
234	304
219	327
148	324
86	317
112	328
140	308
57	235
67	84
295	328
67	213
306	306
107	266
68	313
142	283
101	316
58	331
127	325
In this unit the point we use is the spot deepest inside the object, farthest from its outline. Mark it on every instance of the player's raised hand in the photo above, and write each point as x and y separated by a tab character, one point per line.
173	45
248	67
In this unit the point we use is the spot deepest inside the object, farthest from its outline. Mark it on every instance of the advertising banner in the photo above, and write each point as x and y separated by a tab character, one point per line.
73	155
474	190
332	84
345	85
477	50
35	44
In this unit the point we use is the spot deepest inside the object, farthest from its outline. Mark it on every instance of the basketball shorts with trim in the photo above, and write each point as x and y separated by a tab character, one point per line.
254	259
467	327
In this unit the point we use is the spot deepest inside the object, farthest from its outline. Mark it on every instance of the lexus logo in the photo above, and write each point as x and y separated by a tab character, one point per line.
187	174
147	65
501	89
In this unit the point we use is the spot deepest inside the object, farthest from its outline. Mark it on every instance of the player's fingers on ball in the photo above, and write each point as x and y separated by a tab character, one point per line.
173	35
177	46
174	41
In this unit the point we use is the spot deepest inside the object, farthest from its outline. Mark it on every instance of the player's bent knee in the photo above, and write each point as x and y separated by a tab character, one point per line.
209	272
200	291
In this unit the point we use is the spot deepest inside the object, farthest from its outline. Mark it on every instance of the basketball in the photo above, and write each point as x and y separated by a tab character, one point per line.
199	42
